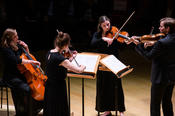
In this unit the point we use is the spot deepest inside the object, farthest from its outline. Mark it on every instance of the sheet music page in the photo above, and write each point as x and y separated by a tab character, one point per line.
113	63
90	61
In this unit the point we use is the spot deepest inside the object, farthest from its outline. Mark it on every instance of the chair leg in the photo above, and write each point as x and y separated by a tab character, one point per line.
116	113
7	101
1	96
98	113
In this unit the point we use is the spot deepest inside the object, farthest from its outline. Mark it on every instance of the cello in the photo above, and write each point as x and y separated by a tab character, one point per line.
34	75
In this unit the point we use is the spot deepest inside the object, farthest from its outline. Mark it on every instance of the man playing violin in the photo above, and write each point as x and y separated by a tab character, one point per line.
25	105
162	55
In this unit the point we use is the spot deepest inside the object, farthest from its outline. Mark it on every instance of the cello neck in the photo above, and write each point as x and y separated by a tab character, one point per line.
26	53
30	58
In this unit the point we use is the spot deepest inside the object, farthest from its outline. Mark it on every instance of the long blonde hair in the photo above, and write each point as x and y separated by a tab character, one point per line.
7	39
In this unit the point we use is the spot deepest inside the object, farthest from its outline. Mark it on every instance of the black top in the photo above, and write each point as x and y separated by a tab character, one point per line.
55	96
53	70
101	46
11	59
163	59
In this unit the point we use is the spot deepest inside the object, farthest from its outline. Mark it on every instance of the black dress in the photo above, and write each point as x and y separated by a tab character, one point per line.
55	98
110	96
25	105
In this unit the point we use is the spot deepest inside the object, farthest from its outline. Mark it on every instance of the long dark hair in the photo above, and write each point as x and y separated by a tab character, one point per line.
100	21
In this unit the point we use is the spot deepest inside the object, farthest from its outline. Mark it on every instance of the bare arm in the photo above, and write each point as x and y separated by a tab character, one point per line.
108	40
67	64
25	61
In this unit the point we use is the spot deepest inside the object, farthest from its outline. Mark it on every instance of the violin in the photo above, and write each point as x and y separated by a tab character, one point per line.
123	35
152	37
118	34
69	54
120	37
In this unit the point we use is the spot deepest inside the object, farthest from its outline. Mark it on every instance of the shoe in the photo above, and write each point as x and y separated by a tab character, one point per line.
121	114
110	114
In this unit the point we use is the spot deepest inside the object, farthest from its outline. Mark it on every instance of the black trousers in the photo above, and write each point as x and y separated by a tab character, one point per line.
25	105
161	94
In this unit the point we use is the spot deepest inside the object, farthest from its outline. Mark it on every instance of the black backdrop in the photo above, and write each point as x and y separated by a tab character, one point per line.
37	20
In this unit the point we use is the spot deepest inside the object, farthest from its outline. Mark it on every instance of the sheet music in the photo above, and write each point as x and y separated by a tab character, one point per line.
113	63
90	61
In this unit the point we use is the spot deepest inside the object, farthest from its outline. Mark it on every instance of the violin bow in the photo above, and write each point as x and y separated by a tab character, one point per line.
57	30
123	25
152	29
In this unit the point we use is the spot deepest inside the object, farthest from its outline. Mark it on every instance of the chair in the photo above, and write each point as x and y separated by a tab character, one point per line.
3	86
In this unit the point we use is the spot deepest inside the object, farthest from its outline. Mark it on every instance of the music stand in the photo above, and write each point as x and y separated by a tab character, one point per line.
91	61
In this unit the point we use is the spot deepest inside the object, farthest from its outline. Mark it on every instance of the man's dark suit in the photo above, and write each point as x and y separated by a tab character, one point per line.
162	74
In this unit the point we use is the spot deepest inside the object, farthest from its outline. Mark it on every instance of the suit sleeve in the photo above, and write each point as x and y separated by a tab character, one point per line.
154	52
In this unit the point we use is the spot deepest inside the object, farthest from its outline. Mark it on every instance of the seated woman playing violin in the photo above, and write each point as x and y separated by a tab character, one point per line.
25	105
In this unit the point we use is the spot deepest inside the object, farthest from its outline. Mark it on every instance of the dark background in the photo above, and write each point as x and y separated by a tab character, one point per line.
36	21
36	24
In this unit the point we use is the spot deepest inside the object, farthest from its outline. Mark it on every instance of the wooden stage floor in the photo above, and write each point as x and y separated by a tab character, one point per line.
136	90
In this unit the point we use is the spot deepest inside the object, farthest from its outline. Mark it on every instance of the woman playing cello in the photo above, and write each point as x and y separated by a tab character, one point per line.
25	105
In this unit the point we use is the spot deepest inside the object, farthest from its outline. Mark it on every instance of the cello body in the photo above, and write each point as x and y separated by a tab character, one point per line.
35	77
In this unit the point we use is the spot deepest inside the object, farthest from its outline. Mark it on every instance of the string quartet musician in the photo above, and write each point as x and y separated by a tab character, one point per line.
57	64
110	95
162	55
11	49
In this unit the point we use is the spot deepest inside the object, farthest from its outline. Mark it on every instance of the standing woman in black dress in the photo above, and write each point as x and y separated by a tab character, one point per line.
110	96
25	105
55	98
